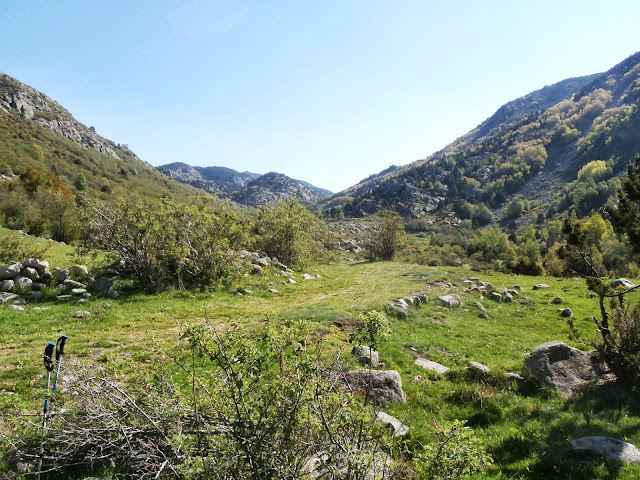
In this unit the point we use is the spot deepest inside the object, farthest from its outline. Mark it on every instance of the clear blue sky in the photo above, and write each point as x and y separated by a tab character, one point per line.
323	91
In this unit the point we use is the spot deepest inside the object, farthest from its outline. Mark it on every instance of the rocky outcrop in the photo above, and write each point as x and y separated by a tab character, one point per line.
31	104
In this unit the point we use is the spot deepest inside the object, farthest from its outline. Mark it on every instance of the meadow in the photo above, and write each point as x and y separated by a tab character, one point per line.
526	430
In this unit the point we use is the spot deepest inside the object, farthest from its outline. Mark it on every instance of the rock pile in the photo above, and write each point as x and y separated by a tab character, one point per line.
486	289
400	306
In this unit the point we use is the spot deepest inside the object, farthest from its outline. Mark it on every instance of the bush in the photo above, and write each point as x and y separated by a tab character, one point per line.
388	232
290	232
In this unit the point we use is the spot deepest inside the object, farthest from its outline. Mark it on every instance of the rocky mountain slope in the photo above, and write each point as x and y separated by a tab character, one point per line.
245	188
534	148
37	132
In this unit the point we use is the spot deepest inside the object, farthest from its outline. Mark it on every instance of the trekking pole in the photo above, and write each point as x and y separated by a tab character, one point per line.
48	364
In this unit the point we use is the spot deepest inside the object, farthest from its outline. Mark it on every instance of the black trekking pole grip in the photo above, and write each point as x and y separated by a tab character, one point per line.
60	347
48	356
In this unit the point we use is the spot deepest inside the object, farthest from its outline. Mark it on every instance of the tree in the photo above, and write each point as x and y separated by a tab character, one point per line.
388	232
290	232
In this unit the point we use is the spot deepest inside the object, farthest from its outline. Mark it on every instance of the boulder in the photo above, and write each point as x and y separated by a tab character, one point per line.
565	312
507	298
540	286
42	267
431	365
306	276
451	300
399	311
23	282
557	300
38	286
366	355
380	386
112	294
256	270
562	367
78	271
82	314
31	273
608	447
496	297
102	284
61	274
30	263
11	271
17	308
7	285
422	297
73	284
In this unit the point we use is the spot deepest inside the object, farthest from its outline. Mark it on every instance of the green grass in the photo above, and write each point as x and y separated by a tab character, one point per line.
526	433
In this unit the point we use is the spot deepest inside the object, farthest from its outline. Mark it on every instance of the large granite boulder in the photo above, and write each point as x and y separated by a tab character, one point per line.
11	271
380	386
366	355
562	367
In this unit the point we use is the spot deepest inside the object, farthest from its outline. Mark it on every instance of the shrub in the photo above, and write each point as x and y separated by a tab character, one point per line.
388	232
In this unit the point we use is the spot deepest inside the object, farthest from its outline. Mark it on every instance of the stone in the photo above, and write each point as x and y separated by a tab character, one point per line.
399	428
608	447
61	274
480	306
73	284
82	314
451	300
256	270
496	297
113	294
399	311
540	286
489	287
562	367
17	308
38	286
565	312
264	262
274	291
78	271
292	281
23	282
5	297
102	284
431	365
515	378
557	300
7	285
30	263
422	297
380	386
518	287
408	300
622	282
31	273
507	298
306	276
478	367
78	291
365	355
11	271
42	267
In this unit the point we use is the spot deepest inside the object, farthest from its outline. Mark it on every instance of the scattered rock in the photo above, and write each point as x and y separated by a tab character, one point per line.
17	308
274	291
306	276
431	365
399	428
557	300
507	298
82	314
256	270
451	300
565	312
397	310
540	286
496	297
112	294
479	367
366	355
608	447
78	291
515	378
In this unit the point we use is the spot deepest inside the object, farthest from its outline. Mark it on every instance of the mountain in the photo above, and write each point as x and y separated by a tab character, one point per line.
560	148
249	189
211	179
37	132
275	186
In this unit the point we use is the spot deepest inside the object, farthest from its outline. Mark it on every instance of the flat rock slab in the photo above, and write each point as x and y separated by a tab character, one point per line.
608	447
431	365
5	297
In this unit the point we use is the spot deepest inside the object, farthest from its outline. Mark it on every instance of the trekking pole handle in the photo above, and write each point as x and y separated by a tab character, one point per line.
60	347
48	356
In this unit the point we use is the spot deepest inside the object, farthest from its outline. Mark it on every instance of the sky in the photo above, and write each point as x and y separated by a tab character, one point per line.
328	92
